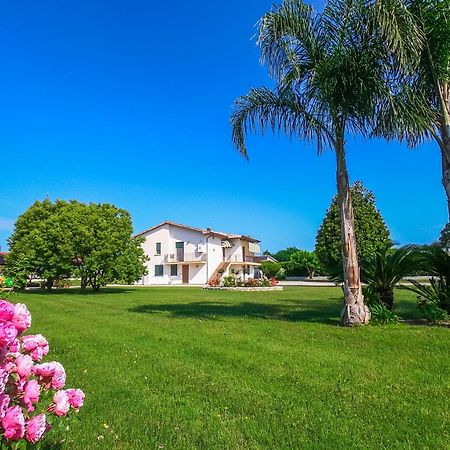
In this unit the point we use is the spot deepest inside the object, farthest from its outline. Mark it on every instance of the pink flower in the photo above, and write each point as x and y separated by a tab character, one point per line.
15	346
8	333
14	423
36	345
50	374
24	363
35	428
62	405
6	311
31	394
21	318
4	403
76	398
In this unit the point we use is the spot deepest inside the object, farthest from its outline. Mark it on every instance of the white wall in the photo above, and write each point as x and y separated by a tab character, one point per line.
199	273
168	235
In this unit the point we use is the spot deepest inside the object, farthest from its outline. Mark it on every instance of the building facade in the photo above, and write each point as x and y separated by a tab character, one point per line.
180	254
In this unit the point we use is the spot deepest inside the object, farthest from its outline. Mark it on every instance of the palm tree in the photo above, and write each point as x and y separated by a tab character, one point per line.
386	269
330	75
425	89
436	262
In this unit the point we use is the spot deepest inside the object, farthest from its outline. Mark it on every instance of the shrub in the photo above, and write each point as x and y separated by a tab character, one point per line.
251	282
31	395
270	268
381	315
229	281
281	274
432	313
384	270
437	262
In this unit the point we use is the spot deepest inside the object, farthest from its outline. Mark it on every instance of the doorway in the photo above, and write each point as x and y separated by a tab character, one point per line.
185	273
180	251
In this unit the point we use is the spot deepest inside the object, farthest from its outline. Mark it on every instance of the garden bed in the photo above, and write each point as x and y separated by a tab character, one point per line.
244	288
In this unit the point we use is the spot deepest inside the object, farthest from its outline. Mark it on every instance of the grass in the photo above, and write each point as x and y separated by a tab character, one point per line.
182	368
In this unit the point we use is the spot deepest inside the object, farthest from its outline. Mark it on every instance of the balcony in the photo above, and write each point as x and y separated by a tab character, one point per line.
250	260
186	258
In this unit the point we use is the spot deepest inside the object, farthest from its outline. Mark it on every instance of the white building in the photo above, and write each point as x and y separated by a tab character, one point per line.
179	254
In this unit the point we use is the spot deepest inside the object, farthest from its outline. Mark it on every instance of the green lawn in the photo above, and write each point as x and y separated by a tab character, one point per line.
182	368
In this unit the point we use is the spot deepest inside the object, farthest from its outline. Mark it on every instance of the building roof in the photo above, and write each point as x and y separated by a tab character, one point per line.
205	231
264	258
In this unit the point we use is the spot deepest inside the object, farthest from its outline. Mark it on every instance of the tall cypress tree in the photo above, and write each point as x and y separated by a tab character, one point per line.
372	233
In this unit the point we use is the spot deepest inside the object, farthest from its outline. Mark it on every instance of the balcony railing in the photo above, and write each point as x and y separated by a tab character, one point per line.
173	258
238	259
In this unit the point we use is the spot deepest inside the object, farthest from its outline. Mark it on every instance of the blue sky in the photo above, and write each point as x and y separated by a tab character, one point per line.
128	102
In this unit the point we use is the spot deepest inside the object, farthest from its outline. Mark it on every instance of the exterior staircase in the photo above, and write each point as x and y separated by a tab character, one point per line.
215	278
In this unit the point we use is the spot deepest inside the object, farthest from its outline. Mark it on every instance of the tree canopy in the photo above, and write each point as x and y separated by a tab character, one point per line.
372	234
54	240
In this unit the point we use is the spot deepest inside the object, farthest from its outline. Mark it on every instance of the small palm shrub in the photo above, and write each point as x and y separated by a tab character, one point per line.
385	270
382	315
432	312
434	299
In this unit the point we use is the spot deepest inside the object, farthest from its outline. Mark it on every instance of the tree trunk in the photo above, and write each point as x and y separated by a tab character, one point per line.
355	312
49	284
386	296
445	151
444	97
83	283
446	176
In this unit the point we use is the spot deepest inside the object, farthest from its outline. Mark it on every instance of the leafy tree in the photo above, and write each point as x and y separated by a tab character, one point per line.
60	239
38	246
304	261
421	108
372	234
286	254
104	250
330	72
270	268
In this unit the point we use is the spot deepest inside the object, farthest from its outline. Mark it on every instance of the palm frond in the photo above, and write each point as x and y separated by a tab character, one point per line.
278	111
397	25
288	38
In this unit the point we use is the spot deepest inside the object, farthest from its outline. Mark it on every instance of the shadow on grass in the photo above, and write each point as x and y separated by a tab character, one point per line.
74	291
318	312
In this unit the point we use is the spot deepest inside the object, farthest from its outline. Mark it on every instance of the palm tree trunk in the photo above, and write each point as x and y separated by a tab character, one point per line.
446	173
444	100
355	312
445	150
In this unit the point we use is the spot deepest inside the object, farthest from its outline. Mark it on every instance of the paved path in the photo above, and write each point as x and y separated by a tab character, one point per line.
307	283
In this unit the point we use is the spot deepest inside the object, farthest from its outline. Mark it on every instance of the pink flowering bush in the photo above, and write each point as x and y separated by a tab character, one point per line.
31	394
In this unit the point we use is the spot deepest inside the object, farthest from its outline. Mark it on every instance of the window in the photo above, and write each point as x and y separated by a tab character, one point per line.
159	270
173	270
158	248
